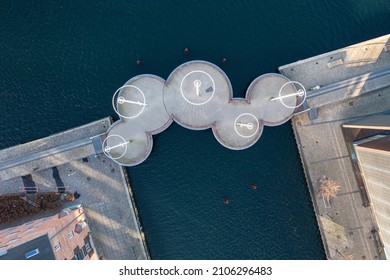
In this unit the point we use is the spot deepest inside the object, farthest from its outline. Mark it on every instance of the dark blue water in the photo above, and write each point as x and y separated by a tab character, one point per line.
61	61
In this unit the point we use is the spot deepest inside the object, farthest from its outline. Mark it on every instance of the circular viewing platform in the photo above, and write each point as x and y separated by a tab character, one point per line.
127	144
197	95
140	100
238	127
274	98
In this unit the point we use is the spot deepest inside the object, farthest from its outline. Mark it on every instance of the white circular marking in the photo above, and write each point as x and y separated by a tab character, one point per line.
301	92
122	100
249	125
197	84
107	149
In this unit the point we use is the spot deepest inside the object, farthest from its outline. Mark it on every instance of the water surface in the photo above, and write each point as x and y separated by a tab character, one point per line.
61	61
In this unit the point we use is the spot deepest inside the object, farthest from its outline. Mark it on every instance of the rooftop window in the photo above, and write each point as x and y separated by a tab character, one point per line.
70	234
57	246
13	240
32	253
88	246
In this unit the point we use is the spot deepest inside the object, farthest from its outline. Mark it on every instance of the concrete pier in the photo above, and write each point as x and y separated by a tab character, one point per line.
105	191
355	87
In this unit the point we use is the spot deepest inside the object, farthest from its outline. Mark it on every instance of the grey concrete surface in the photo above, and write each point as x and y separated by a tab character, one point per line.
261	93
180	94
358	59
50	151
350	88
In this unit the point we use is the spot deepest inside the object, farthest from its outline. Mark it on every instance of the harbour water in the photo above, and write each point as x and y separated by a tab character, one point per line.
61	62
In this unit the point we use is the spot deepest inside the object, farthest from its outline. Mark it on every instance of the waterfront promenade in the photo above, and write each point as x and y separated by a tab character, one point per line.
104	188
356	86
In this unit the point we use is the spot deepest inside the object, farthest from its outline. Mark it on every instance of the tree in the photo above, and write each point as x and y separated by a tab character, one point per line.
328	188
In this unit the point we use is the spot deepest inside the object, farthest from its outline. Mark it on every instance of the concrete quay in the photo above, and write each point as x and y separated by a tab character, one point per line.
358	59
105	191
50	151
350	89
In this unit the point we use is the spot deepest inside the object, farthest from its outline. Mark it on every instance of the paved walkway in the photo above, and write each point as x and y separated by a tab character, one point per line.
350	88
357	59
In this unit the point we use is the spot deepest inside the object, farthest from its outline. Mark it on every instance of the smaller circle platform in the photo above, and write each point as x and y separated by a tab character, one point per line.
263	93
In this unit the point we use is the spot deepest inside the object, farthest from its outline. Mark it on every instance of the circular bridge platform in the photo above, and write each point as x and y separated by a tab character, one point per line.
238	127
274	98
195	93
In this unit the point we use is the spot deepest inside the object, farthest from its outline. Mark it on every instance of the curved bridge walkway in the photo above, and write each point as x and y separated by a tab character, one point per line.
197	95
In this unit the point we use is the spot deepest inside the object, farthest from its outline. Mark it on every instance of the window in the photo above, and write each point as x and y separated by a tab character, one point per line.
88	246
13	240
32	253
57	246
79	255
3	248
70	234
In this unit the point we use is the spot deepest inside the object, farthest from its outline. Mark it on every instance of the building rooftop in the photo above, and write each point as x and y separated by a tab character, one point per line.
64	231
381	144
21	252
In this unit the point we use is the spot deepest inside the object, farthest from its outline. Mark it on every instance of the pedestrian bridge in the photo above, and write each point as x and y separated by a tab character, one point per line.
197	95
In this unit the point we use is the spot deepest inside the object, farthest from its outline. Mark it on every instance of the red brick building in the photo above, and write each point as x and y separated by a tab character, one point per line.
65	236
